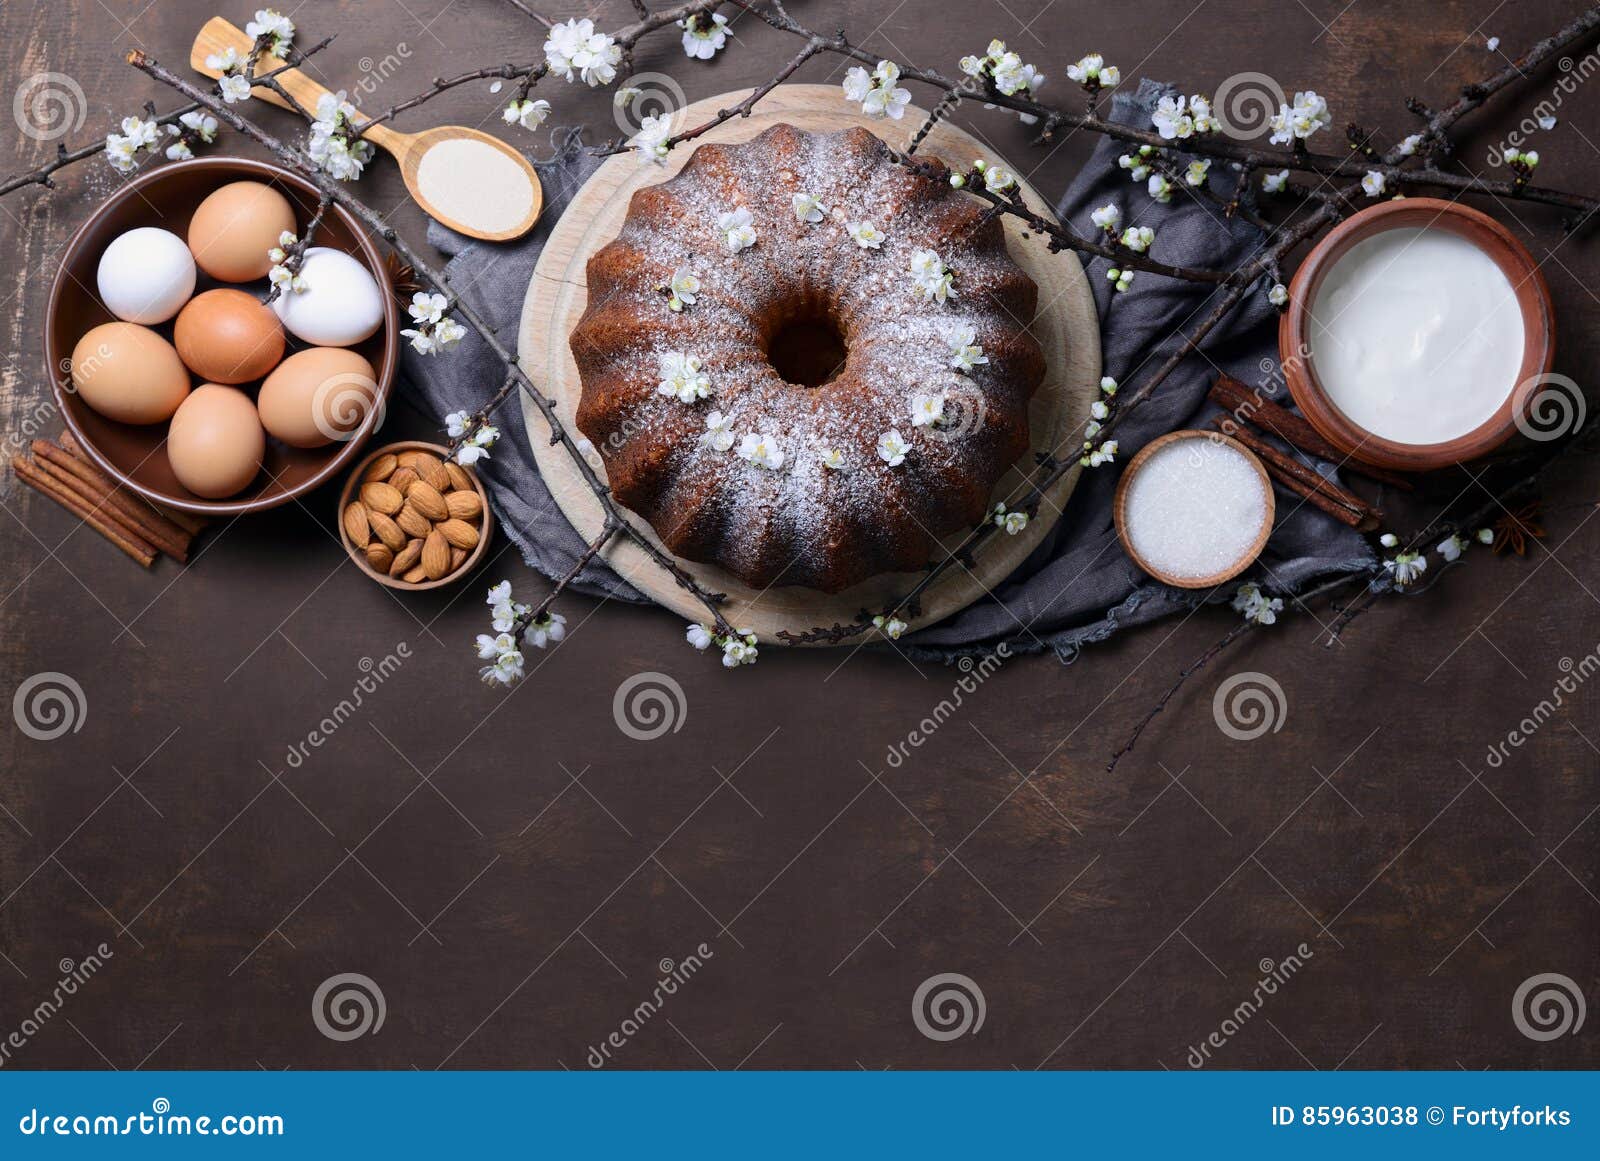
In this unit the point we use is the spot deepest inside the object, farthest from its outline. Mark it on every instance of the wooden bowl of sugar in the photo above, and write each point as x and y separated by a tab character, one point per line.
1194	509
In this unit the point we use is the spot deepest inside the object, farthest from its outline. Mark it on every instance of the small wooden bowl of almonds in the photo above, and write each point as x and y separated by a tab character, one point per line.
412	518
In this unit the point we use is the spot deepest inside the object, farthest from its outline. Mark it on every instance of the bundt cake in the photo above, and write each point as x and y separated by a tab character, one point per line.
803	362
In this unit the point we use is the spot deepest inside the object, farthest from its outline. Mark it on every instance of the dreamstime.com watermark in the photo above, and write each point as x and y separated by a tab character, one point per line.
1543	115
73	977
1548	1006
975	673
673	976
160	1121
1273	977
375	674
1575	673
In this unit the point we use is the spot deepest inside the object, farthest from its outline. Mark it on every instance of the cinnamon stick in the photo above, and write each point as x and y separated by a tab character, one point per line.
1249	406
131	544
99	490
191	524
1321	493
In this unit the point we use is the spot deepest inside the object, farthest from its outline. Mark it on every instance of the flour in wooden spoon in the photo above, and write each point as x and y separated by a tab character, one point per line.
475	184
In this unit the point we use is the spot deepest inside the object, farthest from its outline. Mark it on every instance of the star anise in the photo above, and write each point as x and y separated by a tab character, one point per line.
401	276
1513	529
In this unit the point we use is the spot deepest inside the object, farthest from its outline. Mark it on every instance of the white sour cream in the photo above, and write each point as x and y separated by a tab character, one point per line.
1416	335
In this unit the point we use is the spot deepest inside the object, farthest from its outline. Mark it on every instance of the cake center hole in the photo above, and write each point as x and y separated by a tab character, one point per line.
808	351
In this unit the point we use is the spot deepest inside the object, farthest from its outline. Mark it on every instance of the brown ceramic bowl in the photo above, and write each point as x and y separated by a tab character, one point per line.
348	493
1120	502
1538	325
166	197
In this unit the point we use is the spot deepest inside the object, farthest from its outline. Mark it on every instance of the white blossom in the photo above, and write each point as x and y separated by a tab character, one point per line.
1137	163
1372	183
891	627
866	235
490	647
876	91
965	353
1138	238
1108	217
831	458
762	450
1409	146
1546	122
1009	522
506	670
1195	175
528	114
1299	121
1092	72
699	636
456	425
892	448
576	48
234	87
997	180
682	377
1275	182
807	208
427	308
1406	567
278	28
1450	548
468	454
1486	536
549	628
331	147
735	229
1492	44
1099	409
682	290
739	651
1172	118
931	279
1160	188
1278	294
927	409
651	140
718	434
1108	384
1255	606
1389	540
704	37
1120	279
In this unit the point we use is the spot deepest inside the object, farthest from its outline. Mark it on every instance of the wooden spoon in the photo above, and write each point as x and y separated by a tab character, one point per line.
408	149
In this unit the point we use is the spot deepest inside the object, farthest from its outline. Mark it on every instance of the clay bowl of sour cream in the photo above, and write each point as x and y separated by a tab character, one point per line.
1416	334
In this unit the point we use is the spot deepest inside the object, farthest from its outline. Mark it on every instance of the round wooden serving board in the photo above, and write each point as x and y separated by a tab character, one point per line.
1067	327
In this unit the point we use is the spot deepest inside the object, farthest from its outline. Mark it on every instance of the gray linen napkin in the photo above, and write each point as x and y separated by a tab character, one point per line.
1078	586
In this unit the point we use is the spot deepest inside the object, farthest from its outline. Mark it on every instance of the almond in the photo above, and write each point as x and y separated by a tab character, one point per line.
388	531
460	480
458	557
379	556
459	533
402	480
425	498
416	575
435	555
435	474
463	505
380	469
412	522
381	497
406	559
356	526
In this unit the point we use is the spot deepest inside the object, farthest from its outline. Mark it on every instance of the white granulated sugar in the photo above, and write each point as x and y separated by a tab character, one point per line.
475	183
1194	508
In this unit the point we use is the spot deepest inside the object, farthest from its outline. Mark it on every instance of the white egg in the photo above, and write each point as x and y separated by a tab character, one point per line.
340	306
146	275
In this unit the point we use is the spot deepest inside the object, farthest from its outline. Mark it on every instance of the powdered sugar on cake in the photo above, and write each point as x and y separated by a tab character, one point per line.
898	340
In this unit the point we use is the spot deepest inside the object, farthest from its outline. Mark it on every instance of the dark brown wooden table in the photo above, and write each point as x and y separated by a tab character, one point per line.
512	871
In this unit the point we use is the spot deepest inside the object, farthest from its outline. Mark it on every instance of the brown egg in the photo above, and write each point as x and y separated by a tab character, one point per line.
228	336
215	443
317	396
129	373
235	226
